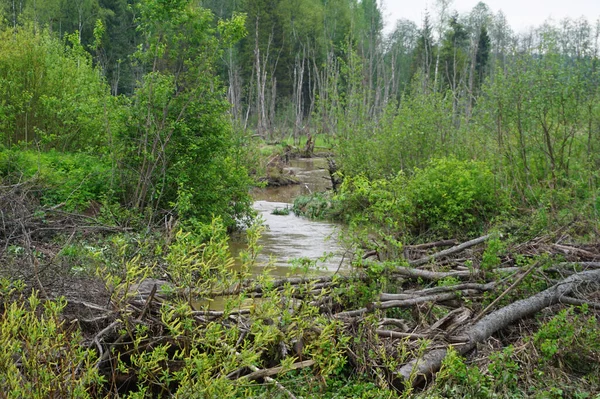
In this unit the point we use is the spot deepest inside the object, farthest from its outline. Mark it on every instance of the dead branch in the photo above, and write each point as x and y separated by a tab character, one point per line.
429	275
436	290
276	370
434	276
250	286
449	251
394	322
429	245
396	334
569	250
403	303
267	378
579	302
452	320
590	265
495	321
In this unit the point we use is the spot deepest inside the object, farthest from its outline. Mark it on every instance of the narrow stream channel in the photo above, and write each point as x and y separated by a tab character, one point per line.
291	237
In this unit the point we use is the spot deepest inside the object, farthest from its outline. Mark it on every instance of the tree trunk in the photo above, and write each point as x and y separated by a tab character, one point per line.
494	322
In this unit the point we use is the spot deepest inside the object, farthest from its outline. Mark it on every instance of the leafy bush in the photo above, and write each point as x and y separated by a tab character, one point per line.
70	179
458	379
571	341
451	196
381	201
51	94
180	150
281	211
40	356
447	197
314	206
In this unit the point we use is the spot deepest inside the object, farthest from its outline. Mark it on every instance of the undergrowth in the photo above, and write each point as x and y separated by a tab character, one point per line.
70	180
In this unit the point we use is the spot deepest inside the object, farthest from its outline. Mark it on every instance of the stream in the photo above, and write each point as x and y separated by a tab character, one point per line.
291	237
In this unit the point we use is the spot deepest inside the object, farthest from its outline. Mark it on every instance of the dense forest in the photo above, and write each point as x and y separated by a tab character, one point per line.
133	133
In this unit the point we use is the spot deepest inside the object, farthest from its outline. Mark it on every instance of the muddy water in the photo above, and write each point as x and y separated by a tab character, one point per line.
291	237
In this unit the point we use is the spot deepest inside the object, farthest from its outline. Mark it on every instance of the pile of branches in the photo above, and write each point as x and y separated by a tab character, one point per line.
463	325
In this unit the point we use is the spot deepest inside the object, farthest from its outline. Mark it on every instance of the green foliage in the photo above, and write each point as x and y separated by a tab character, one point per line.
384	202
177	120
571	341
537	110
40	356
281	211
200	265
196	357
564	364
457	379
73	180
452	196
51	96
504	371
491	255
447	197
304	384
313	206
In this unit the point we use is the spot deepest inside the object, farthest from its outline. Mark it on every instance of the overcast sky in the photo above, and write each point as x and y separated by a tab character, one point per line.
521	14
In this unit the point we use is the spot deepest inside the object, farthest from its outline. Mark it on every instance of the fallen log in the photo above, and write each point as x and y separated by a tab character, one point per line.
495	321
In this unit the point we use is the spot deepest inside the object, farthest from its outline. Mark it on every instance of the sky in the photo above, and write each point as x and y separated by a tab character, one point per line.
521	14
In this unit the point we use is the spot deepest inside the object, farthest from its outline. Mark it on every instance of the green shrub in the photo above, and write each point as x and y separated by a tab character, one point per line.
40	356
314	206
51	94
448	197
281	211
570	341
384	201
62	178
451	196
458	379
